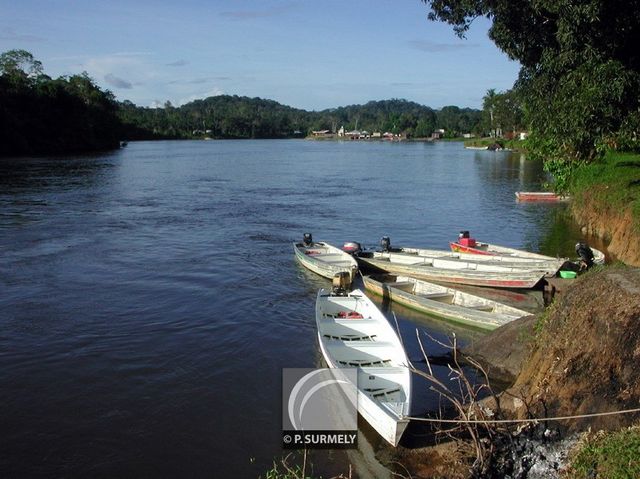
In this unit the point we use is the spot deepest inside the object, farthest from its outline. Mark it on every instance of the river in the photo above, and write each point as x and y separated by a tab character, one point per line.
150	297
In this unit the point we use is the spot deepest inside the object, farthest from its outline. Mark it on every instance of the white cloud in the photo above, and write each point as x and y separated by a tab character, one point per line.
199	96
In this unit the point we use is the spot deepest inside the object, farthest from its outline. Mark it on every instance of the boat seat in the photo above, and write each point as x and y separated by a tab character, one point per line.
436	295
378	392
481	307
350	337
364	362
401	284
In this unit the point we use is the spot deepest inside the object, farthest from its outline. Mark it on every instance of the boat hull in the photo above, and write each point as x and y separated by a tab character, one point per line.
463	308
494	279
540	196
488	249
325	259
369	344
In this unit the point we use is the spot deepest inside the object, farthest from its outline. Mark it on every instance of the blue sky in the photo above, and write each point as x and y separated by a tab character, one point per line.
303	53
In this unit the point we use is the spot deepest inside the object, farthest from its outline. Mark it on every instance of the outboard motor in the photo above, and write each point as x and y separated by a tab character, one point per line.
351	247
307	239
341	283
466	240
585	254
385	244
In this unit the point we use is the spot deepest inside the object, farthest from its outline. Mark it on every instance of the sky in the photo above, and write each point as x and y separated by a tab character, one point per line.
302	53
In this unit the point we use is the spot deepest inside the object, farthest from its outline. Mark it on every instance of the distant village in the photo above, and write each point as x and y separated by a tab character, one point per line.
438	134
376	135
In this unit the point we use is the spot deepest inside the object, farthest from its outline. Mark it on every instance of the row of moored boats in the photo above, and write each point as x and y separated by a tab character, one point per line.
354	333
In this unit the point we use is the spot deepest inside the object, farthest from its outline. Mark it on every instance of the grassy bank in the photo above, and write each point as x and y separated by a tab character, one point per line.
613	181
613	454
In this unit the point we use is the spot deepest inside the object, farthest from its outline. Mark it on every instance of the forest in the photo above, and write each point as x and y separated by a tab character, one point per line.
228	116
42	115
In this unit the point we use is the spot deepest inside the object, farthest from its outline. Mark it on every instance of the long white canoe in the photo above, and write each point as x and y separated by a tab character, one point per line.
442	301
489	249
325	259
549	266
353	333
448	271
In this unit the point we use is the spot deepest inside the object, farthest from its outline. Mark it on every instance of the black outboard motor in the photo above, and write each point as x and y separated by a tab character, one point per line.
585	254
307	239
385	244
463	234
341	284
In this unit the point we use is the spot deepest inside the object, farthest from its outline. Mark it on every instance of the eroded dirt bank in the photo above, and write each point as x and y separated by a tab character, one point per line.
612	225
585	357
581	356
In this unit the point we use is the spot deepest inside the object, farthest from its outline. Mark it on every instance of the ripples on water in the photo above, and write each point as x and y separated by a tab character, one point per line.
150	297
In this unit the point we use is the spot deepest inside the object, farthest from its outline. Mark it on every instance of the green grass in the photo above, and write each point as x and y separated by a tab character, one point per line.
613	181
609	455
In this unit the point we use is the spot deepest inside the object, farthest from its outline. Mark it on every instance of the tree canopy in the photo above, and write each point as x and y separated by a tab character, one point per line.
580	67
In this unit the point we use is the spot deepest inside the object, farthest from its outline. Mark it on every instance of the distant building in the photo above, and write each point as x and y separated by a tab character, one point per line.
468	135
376	134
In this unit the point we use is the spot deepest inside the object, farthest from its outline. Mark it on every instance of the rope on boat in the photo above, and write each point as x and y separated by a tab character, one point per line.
513	421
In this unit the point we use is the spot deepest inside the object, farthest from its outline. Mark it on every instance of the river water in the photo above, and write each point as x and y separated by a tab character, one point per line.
149	297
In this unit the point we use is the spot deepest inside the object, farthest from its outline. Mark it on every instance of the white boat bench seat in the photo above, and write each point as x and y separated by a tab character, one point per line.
350	337
436	295
401	284
481	307
364	362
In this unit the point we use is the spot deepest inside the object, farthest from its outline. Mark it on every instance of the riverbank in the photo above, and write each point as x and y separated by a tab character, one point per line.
607	203
576	358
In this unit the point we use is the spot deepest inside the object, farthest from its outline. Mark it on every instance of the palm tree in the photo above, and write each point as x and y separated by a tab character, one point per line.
488	103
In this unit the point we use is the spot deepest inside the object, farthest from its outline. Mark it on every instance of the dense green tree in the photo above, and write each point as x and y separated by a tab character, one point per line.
580	67
42	115
19	65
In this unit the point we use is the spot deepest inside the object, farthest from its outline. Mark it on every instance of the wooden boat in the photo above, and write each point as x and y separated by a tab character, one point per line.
465	244
449	271
539	196
549	266
448	303
471	246
353	333
325	259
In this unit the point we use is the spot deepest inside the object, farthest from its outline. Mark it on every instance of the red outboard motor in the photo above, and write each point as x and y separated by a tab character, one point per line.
465	240
351	247
585	254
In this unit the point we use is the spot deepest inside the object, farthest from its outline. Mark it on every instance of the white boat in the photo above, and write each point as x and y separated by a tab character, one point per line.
471	246
353	333
325	259
442	301
450	271
549	266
